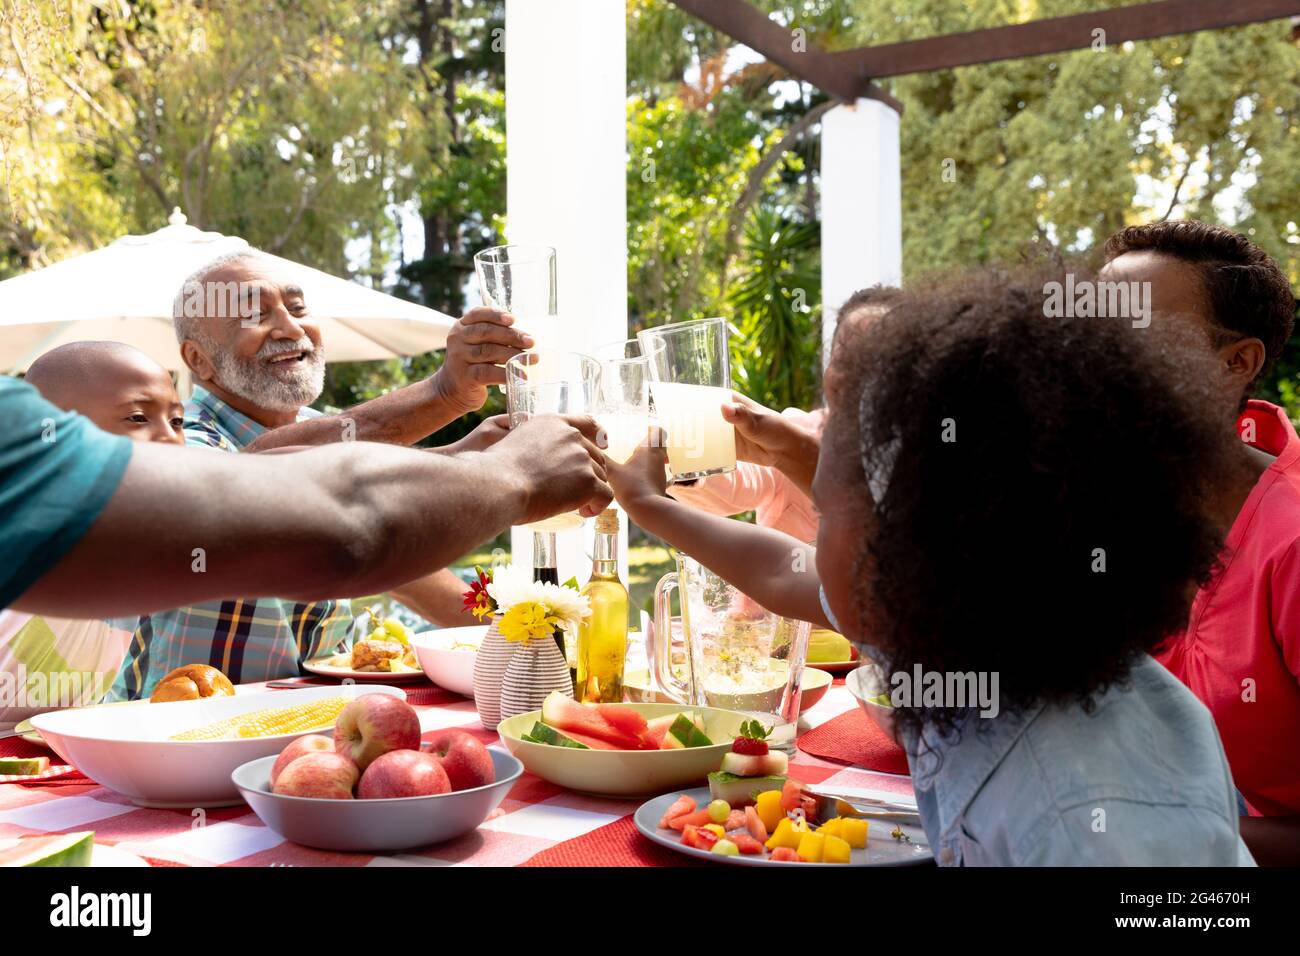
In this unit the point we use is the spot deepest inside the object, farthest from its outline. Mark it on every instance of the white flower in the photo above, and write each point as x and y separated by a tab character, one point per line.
513	585
510	585
565	603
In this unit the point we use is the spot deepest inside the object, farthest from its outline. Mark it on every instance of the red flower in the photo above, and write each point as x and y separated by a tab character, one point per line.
477	600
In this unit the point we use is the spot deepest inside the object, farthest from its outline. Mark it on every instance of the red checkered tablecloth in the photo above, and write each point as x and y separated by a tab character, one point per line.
537	824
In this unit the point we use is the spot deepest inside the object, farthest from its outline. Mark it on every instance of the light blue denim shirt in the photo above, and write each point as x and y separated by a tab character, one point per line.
1142	780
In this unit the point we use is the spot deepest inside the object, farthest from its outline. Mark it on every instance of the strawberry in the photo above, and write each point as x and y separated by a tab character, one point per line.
749	747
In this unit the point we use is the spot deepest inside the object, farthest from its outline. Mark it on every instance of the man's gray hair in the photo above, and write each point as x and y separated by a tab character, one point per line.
192	303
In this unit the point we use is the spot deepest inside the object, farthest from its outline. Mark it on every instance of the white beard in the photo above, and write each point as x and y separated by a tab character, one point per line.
254	382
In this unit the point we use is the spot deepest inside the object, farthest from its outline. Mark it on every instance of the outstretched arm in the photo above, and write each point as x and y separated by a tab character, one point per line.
356	518
477	346
773	568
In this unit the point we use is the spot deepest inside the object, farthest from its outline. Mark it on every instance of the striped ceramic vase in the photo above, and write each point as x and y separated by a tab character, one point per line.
490	663
533	673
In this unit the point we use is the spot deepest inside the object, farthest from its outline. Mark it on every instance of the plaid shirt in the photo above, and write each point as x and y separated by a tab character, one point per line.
248	639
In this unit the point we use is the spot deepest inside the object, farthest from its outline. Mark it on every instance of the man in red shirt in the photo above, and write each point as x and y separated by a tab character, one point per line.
1240	653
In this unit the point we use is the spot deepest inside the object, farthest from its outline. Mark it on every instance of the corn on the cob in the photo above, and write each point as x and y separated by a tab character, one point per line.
275	720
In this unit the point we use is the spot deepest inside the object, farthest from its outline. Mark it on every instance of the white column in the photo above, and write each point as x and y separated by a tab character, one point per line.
861	204
566	179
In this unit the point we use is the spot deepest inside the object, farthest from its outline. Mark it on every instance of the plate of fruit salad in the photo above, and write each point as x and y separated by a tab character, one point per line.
752	814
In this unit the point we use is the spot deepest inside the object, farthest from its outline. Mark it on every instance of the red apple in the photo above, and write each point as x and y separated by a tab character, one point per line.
374	724
403	773
463	756
303	745
327	776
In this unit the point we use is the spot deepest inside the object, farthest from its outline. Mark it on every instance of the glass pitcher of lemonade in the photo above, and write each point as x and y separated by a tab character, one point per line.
740	656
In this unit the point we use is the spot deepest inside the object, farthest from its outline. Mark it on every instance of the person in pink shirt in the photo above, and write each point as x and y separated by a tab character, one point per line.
776	453
1240	653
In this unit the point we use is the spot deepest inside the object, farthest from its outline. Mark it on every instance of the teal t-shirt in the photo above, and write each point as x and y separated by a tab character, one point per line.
57	472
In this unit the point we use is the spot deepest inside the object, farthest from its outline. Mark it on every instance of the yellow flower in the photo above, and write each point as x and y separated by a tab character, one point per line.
527	622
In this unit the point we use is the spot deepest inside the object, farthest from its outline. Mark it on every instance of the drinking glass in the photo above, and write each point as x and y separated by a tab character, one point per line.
552	383
740	655
520	279
623	410
690	380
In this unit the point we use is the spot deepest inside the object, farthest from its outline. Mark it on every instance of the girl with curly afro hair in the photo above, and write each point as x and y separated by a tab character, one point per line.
1025	504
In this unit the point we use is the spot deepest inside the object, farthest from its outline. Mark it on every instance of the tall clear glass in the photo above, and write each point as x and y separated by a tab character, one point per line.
690	381
552	383
520	279
623	411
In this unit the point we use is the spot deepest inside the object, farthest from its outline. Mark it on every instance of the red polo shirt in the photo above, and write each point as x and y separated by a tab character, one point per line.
1241	652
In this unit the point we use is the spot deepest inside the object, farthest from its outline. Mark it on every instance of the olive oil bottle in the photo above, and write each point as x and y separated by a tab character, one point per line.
602	638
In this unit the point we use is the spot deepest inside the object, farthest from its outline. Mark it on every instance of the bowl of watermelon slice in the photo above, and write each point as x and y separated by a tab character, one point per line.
621	750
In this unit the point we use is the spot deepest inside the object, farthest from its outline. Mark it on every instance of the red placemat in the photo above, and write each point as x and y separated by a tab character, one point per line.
61	774
615	844
854	738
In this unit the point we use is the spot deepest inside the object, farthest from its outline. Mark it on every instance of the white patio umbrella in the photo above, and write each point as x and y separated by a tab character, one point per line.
124	292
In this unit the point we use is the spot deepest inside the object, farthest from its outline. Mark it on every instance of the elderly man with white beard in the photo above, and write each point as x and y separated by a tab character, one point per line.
247	335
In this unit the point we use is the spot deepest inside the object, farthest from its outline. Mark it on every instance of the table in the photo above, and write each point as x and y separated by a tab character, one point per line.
538	824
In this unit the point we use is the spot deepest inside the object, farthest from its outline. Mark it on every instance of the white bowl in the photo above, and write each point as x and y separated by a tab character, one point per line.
866	682
127	748
373	826
452	669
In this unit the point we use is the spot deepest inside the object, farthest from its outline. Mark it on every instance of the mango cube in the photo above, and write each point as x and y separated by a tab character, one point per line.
831	827
716	829
768	806
835	850
787	834
810	847
854	833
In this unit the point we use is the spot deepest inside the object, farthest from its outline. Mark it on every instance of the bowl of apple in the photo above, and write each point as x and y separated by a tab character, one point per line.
372	788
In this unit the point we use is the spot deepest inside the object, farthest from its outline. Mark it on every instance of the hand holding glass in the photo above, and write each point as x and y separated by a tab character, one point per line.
552	383
690	373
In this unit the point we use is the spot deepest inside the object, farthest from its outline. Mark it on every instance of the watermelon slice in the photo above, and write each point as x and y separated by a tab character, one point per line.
783	854
581	721
791	795
681	806
623	719
685	731
699	818
23	766
745	843
655	730
541	734
64	849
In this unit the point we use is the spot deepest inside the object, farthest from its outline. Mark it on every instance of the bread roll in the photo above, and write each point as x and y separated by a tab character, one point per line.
192	682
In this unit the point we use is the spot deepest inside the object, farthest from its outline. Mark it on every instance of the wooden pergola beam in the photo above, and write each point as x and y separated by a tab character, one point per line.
848	74
1143	21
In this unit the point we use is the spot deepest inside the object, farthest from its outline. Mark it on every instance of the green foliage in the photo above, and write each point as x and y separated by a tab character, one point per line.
303	126
776	293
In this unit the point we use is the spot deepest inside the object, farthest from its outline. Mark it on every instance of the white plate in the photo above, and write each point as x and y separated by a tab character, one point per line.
323	668
127	748
881	850
452	669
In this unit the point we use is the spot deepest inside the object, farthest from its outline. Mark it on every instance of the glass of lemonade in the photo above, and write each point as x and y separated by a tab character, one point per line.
520	279
552	383
623	411
690	381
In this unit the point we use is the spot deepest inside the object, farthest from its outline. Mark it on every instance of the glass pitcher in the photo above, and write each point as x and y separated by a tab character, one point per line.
739	655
